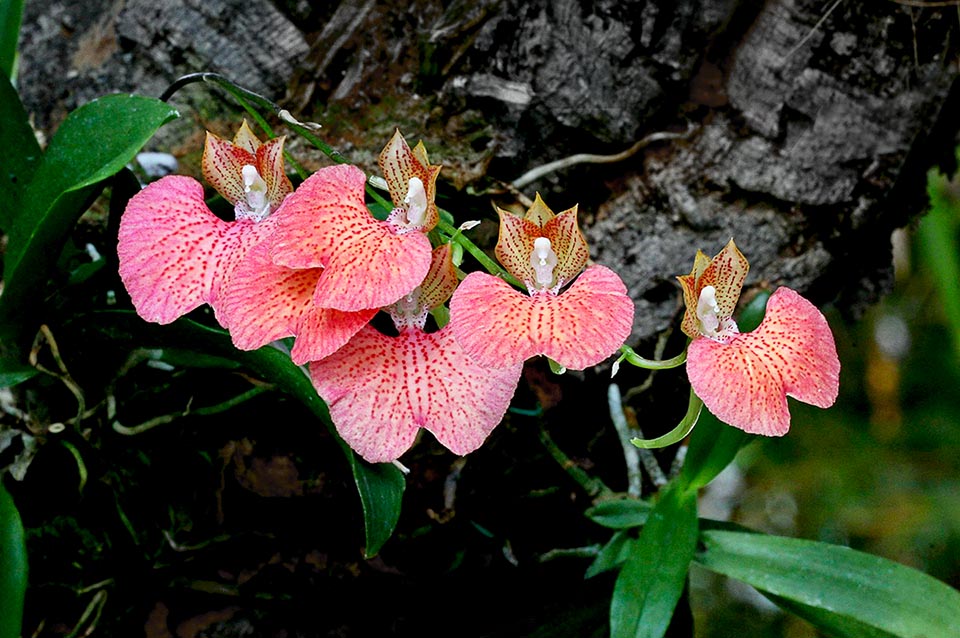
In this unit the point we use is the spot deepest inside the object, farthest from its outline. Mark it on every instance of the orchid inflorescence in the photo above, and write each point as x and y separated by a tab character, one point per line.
314	264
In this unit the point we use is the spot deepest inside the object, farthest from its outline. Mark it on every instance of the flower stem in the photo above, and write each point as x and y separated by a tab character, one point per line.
633	358
492	267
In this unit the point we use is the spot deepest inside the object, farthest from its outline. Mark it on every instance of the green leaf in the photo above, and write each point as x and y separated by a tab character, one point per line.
937	238
620	513
11	14
651	581
713	446
614	554
13	573
21	153
380	486
93	143
835	587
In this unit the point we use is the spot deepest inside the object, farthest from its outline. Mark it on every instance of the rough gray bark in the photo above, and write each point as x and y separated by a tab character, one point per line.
810	120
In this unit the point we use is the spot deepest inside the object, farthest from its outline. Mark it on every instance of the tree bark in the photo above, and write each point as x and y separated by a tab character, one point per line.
808	125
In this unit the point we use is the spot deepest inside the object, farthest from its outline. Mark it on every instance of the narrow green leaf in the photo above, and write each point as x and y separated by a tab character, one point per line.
620	514
11	14
937	238
614	554
21	153
93	143
833	625
842	588
13	567
380	486
651	581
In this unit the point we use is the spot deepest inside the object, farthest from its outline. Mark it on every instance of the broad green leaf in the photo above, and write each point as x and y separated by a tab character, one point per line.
714	444
13	567
21	153
11	14
613	555
12	373
93	143
380	486
651	581
843	589
833	625
620	513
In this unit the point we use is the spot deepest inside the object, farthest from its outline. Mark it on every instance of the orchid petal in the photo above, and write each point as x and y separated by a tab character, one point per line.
745	382
726	273
247	139
265	302
518	235
441	280
515	244
399	164
499	326
568	242
325	223
173	250
222	166
271	168
382	389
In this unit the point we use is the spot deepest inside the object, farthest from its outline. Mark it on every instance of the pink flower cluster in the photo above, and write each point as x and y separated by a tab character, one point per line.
314	264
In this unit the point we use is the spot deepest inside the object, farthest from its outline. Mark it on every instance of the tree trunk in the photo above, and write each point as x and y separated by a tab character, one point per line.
808	126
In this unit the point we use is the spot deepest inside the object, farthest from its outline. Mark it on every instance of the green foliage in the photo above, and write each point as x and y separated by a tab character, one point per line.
620	513
842	591
21	154
11	14
93	143
13	573
937	238
380	486
653	577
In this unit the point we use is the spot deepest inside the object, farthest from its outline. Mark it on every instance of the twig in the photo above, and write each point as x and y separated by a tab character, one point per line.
207	411
589	158
631	454
594	487
94	609
590	551
815	28
931	5
64	375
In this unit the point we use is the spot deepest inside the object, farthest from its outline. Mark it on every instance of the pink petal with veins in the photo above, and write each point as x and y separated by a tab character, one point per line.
174	253
745	382
266	302
382	389
325	223
498	326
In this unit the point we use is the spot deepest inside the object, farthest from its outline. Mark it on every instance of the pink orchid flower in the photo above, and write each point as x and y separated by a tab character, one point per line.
175	254
381	390
744	378
366	263
578	327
